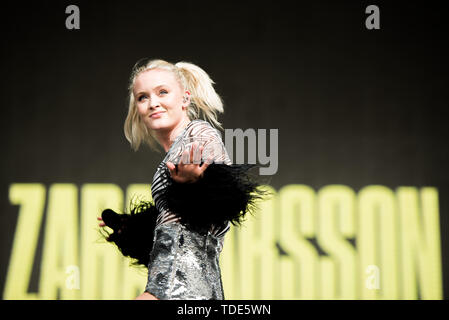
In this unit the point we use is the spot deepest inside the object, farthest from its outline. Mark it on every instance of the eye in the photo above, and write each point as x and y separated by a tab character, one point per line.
163	91
141	97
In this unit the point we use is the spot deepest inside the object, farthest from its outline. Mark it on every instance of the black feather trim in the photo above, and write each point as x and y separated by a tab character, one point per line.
224	193
133	232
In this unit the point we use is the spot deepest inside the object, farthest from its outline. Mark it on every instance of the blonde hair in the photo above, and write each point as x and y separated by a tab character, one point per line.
204	101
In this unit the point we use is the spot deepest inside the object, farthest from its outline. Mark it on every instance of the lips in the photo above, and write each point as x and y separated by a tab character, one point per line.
156	113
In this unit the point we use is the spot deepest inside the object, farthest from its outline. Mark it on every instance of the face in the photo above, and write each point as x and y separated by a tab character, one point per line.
159	99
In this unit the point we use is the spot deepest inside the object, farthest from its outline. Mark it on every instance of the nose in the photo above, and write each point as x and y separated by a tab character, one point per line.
154	103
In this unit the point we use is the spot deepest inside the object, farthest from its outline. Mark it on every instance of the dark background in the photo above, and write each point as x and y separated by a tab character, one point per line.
353	106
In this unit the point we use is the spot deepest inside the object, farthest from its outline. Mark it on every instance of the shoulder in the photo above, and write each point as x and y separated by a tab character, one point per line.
201	129
209	138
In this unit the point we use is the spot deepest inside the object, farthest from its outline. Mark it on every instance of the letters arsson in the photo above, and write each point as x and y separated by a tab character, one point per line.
194	310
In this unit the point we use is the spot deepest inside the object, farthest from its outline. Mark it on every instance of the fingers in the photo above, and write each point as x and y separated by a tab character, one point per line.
197	154
192	151
189	167
184	158
101	224
172	168
193	156
208	162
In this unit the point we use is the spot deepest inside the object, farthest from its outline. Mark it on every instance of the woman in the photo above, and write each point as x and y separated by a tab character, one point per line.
196	190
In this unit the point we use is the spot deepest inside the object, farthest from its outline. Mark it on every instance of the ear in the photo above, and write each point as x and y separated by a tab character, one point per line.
186	99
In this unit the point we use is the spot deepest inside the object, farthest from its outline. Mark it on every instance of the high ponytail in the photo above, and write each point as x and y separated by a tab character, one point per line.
205	102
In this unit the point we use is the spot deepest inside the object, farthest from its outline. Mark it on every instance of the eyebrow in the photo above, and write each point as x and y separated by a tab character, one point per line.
155	88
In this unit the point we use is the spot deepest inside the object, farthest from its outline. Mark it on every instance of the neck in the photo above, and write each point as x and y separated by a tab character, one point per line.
167	138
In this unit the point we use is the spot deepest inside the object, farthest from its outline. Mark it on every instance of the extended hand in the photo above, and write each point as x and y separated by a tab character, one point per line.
189	169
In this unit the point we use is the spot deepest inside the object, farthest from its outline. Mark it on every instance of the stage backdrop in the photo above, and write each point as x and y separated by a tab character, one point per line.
355	96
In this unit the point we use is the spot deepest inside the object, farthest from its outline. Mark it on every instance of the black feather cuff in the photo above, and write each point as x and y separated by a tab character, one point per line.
225	193
133	232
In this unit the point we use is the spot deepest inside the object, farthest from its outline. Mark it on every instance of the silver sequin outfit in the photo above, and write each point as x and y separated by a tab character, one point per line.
184	264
